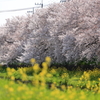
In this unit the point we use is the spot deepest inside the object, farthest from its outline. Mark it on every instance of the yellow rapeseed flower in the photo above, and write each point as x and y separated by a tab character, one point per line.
53	71
53	86
8	69
12	78
36	83
44	72
43	84
88	85
36	67
33	61
70	87
65	75
24	77
98	79
10	89
48	59
45	65
85	76
63	87
49	75
20	70
13	70
9	73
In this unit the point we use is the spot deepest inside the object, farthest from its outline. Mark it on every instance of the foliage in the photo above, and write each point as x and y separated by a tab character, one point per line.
47	83
64	31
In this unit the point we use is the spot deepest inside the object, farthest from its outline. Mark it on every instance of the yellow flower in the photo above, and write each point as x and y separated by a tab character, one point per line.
70	87
53	71
13	70
10	89
49	75
85	76
98	79
9	73
65	75
45	66
33	61
20	70
12	78
36	83
53	86
24	77
63	87
44	72
8	69
36	67
88	85
43	84
48	59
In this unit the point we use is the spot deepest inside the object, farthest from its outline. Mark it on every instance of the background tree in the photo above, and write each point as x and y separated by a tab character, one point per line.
64	31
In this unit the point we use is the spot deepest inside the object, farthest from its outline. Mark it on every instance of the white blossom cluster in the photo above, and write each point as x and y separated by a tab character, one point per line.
67	31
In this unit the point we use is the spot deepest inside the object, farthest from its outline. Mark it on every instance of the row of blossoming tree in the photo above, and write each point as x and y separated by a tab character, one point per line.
67	31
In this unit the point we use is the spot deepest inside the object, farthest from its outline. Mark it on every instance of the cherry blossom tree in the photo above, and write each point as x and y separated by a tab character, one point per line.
68	31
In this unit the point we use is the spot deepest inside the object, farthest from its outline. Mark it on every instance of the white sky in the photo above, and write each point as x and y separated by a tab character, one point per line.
18	4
